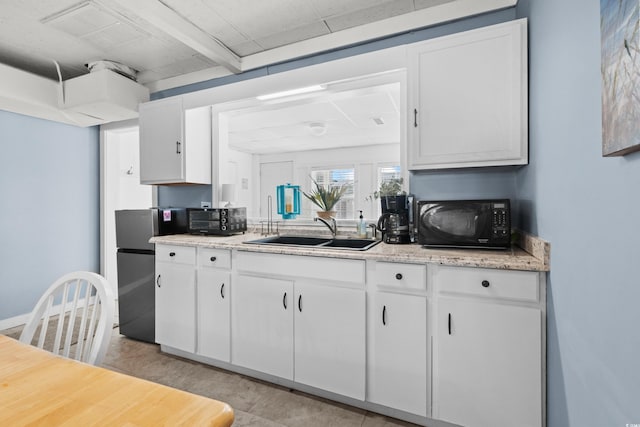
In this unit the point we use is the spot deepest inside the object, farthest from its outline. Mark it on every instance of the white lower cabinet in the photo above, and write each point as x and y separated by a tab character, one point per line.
214	314
397	371
262	325
176	297
330	338
288	323
461	345
488	351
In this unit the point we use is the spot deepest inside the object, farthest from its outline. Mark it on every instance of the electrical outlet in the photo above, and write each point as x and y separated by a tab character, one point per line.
205	204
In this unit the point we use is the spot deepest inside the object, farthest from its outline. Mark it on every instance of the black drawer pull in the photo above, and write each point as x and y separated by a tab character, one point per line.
284	300
300	303
449	324
213	259
158	281
172	254
384	315
485	283
222	291
399	276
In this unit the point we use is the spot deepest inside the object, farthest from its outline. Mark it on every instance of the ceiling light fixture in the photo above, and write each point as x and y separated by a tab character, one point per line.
298	91
317	128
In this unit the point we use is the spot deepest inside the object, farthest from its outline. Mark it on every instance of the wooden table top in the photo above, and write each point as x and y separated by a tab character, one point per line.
40	389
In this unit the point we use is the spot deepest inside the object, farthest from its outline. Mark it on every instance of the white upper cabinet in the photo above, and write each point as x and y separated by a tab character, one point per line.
175	144
467	99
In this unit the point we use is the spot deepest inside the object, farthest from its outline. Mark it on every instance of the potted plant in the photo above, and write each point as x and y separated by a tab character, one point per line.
391	194
326	197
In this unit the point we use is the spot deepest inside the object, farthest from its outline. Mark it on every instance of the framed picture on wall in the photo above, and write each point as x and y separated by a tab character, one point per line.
620	67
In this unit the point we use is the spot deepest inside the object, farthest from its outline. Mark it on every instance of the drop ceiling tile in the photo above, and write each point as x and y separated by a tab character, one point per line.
423	4
332	8
113	36
208	20
246	48
367	106
293	35
187	65
258	19
371	14
80	20
151	53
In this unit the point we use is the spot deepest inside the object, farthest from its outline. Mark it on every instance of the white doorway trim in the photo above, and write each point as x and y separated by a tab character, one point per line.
108	167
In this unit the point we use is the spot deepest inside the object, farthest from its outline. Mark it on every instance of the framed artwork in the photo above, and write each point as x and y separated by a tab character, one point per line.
620	68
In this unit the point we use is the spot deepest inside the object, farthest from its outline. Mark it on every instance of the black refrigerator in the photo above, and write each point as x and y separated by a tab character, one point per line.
136	265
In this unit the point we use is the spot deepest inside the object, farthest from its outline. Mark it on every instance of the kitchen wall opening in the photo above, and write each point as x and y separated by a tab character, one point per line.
347	133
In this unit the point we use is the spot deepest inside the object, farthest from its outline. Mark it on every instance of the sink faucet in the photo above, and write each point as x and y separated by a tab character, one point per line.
333	227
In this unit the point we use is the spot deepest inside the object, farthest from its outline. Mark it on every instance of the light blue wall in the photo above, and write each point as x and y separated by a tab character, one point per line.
177	195
49	206
588	207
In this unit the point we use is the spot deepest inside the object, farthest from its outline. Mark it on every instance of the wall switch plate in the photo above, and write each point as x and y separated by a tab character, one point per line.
205	204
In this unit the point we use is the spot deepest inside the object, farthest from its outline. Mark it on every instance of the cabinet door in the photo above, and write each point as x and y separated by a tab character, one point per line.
176	306
489	364
161	142
262	333
468	99
214	330
330	338
398	358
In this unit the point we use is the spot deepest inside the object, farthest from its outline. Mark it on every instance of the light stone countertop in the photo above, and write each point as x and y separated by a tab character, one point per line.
511	259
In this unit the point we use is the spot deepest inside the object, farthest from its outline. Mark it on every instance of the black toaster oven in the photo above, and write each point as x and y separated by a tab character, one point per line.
216	221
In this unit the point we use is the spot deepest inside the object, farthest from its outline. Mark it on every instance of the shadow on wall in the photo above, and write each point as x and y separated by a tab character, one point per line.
557	393
467	184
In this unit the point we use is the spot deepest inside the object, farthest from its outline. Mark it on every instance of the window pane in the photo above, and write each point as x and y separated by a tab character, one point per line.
336	178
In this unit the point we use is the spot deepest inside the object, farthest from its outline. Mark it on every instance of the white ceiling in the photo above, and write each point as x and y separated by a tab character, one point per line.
176	42
325	120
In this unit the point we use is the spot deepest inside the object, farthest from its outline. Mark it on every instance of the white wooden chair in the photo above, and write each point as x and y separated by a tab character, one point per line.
79	297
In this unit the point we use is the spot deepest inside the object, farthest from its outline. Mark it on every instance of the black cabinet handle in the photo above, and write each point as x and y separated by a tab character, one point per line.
177	147
384	315
213	259
485	283
449	326
222	291
172	254
399	276
415	117
300	303
158	281
284	300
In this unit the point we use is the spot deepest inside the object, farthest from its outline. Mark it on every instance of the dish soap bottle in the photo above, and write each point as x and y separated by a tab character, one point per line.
362	227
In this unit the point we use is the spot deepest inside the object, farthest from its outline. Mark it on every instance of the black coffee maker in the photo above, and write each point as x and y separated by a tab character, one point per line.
395	221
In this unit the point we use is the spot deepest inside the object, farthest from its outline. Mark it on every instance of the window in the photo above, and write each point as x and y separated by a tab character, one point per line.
337	178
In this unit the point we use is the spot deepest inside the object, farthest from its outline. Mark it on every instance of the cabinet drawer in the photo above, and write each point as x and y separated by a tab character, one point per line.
176	254
507	284
401	276
297	266
218	258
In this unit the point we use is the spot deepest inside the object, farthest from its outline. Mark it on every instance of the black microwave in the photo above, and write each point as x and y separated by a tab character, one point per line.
464	223
216	221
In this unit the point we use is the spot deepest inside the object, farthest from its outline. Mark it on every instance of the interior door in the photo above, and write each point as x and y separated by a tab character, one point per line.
272	175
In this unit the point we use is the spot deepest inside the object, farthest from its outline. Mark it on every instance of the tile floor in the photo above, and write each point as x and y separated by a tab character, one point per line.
255	403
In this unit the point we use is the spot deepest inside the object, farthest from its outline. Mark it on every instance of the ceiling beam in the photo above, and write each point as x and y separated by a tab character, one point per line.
168	21
418	19
422	18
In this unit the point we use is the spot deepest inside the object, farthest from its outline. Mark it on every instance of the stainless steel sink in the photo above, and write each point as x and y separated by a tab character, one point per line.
317	242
